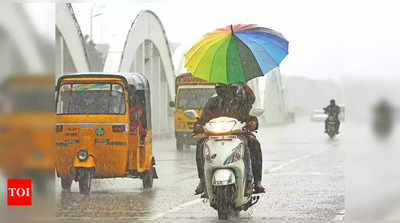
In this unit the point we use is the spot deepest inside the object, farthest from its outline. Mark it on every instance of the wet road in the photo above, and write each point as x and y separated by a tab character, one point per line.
303	173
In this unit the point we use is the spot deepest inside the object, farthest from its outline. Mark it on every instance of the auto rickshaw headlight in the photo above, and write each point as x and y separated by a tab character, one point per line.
82	155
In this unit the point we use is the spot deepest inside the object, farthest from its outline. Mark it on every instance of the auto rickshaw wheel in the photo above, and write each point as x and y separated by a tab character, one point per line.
66	184
85	180
148	179
179	144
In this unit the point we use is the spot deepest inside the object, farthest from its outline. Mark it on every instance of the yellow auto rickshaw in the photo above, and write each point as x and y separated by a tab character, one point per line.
191	93
27	128
103	128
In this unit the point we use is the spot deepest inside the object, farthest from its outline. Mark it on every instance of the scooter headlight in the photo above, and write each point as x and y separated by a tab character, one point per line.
237	154
82	155
221	127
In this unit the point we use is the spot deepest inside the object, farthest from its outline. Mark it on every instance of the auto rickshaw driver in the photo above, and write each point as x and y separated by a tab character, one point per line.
137	110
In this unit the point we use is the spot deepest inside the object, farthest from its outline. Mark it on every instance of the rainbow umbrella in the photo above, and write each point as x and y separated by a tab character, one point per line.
236	53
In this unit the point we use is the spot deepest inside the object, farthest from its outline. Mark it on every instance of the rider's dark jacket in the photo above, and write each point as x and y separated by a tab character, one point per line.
218	107
333	110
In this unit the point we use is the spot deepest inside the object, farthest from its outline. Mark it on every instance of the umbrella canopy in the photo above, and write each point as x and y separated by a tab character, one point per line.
236	53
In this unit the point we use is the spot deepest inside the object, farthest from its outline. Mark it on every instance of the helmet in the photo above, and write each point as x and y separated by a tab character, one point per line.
332	101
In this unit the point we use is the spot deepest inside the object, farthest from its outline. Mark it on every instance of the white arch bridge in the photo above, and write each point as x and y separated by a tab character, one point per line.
146	51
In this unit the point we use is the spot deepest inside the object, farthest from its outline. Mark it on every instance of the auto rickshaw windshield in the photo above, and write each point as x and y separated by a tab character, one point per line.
91	98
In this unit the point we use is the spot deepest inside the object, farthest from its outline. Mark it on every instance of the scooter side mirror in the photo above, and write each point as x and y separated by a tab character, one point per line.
191	114
256	112
171	104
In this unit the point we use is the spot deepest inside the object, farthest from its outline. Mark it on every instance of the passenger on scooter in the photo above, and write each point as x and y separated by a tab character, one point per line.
247	99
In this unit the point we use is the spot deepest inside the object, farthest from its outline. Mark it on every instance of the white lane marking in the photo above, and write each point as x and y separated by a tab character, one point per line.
283	165
340	215
175	209
305	174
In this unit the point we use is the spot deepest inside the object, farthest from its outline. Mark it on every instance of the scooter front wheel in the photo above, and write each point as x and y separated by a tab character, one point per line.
224	200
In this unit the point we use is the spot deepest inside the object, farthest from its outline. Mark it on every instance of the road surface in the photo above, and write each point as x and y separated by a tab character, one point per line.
303	173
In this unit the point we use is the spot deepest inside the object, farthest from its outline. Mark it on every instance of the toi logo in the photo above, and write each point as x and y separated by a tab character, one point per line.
19	192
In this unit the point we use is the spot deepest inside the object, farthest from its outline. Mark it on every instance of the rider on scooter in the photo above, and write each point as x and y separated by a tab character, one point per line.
333	111
231	104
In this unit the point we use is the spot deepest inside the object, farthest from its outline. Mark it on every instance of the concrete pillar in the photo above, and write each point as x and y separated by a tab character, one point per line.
164	101
133	65
274	101
59	54
157	92
139	61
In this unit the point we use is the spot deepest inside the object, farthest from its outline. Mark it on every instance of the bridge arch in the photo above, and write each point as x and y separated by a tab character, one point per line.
71	54
147	51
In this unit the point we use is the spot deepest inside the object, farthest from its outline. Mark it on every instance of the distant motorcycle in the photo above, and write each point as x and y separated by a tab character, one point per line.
332	124
224	167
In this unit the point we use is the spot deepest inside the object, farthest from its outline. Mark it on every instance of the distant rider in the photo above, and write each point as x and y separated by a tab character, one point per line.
333	111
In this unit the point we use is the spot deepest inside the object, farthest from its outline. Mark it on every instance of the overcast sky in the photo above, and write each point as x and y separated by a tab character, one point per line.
338	37
341	37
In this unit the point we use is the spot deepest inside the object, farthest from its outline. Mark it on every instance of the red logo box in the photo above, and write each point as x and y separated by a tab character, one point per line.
19	192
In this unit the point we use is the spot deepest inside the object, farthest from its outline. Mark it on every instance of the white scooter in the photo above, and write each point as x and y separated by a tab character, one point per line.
224	168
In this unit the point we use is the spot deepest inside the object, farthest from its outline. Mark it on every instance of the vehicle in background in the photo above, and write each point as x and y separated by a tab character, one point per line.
103	129
191	94
383	119
27	129
318	115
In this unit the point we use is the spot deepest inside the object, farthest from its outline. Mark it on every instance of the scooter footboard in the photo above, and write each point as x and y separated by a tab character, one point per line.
222	177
